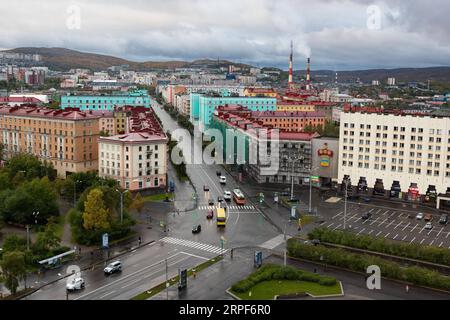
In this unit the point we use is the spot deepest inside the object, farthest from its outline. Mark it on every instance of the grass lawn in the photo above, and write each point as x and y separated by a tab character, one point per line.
267	290
157	197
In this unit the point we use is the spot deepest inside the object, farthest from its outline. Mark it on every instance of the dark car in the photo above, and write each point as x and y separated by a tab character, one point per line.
220	199
196	228
366	216
210	214
428	217
218	173
367	199
205	188
211	202
443	219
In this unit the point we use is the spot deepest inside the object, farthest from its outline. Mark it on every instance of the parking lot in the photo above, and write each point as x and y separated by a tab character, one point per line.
394	224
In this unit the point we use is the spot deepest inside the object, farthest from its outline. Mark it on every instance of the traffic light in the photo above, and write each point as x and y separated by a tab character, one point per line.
261	197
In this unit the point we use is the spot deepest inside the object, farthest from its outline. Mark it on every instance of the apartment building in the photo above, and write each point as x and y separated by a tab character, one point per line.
66	138
388	149
138	159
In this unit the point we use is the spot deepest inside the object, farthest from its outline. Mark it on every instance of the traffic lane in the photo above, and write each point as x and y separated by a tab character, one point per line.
132	262
126	287
394	225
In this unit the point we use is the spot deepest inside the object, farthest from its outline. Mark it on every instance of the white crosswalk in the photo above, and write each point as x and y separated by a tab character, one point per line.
229	207
274	242
195	245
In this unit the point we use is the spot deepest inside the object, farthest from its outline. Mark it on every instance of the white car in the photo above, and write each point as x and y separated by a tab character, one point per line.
227	195
419	216
75	284
223	180
428	226
115	266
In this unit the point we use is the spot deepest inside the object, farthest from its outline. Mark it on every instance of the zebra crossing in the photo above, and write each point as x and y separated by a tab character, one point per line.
250	207
195	245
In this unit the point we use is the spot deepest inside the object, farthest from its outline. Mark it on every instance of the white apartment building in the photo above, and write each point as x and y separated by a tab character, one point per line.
405	148
135	160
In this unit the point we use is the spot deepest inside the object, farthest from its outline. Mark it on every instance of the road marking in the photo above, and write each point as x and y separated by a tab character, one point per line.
274	242
362	230
414	227
126	277
393	212
396	236
337	227
331	224
448	233
398	225
420	232
430	232
401	215
378	233
406	226
192	244
392	222
371	231
381	223
105	295
412	240
441	244
387	235
440	232
386	212
405	238
337	215
422	241
431	243
375	220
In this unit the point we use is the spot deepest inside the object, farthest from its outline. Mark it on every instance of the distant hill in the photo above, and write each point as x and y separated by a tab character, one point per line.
400	74
65	59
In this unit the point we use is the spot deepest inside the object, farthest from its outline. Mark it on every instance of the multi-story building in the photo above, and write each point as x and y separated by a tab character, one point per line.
203	106
291	121
294	160
260	92
412	151
106	102
138	159
66	138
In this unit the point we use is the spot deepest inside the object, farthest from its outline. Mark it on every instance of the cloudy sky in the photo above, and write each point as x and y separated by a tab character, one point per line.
337	34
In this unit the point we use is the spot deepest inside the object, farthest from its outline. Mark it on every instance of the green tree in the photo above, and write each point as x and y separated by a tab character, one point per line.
138	203
14	268
13	242
96	216
48	239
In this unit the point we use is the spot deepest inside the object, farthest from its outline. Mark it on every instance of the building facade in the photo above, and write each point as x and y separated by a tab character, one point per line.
138	159
386	148
67	139
106	102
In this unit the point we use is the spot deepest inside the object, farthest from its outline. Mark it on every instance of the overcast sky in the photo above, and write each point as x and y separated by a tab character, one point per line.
337	34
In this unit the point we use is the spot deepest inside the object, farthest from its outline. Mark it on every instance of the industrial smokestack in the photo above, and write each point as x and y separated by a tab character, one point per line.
308	74
291	58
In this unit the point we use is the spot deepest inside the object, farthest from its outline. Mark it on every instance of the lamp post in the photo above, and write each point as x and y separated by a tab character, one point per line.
293	161
345	205
35	215
121	203
310	189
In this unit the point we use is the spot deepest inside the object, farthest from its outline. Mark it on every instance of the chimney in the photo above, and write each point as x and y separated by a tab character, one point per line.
308	74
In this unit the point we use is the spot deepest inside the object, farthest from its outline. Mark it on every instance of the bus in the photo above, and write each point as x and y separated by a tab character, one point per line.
221	217
238	197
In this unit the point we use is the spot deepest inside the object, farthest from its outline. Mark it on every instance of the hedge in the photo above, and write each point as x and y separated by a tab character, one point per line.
406	250
360	262
274	272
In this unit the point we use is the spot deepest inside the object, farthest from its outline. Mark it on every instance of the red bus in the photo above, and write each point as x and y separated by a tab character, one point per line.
238	197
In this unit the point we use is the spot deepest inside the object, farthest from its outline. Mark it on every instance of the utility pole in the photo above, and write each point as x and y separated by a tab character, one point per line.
28	237
345	206
121	203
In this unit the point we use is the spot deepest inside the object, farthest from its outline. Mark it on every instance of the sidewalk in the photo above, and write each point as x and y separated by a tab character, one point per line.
183	191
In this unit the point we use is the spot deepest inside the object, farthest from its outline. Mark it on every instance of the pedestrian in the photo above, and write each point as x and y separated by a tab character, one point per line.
407	289
194	274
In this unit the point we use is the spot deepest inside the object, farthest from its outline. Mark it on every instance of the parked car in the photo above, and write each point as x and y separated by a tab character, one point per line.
443	219
419	216
366	216
227	195
75	284
367	199
196	228
210	215
429	226
218	173
205	188
223	180
113	267
428	217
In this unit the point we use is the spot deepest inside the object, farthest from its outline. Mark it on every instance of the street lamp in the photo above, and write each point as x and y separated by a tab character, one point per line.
293	161
35	215
345	204
121	203
310	189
